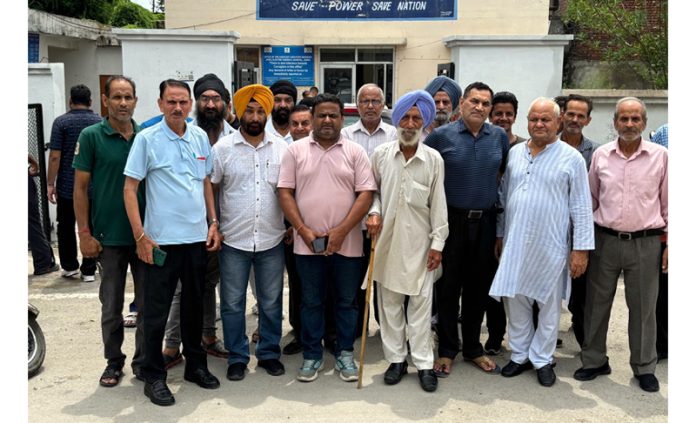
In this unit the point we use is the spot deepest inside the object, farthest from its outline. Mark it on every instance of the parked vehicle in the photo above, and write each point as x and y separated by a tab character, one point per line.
37	343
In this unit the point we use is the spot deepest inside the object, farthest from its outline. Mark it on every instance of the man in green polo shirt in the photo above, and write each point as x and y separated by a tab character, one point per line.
100	157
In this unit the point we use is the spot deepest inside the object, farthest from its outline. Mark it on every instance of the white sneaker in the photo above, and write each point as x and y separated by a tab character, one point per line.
69	273
87	278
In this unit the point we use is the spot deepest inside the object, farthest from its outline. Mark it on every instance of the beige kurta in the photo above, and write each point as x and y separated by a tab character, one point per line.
411	201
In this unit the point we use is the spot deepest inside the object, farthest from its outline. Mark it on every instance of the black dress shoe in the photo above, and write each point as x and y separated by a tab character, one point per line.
546	375
203	378
395	372
584	374
648	382
273	366
513	369
294	347
236	371
159	393
428	380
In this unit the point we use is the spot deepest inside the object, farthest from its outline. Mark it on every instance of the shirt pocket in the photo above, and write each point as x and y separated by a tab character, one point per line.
417	194
273	173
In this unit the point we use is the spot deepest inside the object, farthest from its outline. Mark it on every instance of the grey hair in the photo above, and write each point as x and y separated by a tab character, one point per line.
643	113
556	107
371	85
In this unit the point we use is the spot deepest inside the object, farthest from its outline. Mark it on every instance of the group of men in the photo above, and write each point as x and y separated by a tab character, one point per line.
460	213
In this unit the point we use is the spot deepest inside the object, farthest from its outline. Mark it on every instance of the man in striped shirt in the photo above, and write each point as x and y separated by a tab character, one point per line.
545	196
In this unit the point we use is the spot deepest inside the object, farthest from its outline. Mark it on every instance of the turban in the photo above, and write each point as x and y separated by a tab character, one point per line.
210	81
448	85
419	98
284	86
258	92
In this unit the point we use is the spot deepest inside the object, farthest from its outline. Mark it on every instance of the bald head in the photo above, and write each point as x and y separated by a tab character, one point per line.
543	121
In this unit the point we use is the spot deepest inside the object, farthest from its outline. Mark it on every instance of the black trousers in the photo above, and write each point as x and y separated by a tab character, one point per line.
495	320
185	262
468	264
41	251
661	310
576	305
67	243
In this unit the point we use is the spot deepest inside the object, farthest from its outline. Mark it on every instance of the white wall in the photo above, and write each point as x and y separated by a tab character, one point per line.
151	56
46	87
527	66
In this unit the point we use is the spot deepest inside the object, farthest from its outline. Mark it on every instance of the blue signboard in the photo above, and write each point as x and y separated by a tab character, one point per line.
357	9
294	63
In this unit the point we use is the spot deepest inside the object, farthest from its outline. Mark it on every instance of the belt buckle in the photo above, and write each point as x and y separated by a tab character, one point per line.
626	236
474	214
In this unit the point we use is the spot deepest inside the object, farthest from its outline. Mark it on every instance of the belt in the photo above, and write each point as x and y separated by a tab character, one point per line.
626	236
472	214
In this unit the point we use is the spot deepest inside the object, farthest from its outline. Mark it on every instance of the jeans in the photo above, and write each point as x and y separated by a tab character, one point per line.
41	252
268	267
342	275
67	244
113	263
185	262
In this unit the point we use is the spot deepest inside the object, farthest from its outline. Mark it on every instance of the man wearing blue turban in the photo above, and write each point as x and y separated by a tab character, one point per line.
446	94
409	218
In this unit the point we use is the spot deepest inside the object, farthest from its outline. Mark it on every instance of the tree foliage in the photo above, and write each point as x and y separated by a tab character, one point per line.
621	31
118	13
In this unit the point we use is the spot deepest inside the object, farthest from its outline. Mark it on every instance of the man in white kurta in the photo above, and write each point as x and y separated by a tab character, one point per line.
546	200
411	210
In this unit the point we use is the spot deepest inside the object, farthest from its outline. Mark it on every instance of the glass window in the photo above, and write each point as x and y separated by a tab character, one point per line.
337	55
375	55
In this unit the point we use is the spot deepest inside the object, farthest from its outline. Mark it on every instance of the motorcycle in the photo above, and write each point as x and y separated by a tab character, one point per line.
37	343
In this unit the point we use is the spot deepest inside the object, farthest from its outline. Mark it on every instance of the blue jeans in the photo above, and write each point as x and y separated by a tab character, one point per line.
342	275
234	277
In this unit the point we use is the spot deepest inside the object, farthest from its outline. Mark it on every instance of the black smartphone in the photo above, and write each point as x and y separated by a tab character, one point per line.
319	244
158	256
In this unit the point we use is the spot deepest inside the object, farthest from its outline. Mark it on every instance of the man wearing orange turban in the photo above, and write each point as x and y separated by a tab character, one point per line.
260	93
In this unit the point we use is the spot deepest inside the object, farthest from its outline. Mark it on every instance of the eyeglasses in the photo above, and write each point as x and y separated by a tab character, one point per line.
205	99
374	103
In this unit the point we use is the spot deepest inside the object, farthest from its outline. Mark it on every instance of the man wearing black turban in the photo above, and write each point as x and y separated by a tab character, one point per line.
284	99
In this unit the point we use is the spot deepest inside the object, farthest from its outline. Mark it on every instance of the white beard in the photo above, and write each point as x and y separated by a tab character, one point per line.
404	138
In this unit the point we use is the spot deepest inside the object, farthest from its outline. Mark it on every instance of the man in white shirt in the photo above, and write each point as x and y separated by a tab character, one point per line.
245	171
409	216
370	131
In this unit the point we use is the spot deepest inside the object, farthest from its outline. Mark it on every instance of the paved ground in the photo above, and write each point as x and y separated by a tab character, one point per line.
67	387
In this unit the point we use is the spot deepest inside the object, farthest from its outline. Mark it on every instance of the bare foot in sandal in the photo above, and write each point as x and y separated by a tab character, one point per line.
442	367
486	364
110	377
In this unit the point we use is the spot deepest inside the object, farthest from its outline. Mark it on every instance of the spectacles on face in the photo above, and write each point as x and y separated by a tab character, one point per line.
215	99
373	102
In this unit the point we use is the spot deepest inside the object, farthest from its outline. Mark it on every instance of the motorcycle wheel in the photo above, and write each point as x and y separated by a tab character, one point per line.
37	347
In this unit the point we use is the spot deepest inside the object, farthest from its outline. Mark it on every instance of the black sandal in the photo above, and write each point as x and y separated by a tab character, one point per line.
110	373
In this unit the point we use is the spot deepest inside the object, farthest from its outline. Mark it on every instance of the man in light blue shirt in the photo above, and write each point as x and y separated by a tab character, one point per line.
175	159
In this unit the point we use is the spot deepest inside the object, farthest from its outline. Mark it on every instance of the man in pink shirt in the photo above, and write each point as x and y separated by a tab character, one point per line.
325	189
628	182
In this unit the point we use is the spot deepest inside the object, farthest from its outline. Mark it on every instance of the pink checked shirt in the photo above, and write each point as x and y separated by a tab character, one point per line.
629	193
325	184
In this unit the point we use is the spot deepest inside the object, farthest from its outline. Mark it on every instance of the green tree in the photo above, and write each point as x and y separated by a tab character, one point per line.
131	15
98	10
621	31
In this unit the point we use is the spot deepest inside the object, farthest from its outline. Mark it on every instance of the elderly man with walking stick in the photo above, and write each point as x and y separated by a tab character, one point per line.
409	217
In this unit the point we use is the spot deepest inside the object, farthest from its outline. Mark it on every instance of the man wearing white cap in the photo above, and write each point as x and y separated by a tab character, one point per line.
409	216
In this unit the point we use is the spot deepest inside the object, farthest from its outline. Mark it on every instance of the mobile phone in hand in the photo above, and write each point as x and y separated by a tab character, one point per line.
319	244
158	256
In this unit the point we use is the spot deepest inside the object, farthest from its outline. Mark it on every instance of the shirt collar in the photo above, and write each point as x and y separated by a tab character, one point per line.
638	152
360	127
238	138
109	130
172	135
420	151
485	128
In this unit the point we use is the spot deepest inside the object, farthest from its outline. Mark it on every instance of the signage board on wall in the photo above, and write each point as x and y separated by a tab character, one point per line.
294	63
356	9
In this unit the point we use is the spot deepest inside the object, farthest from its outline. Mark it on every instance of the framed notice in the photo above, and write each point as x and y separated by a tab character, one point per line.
294	63
358	10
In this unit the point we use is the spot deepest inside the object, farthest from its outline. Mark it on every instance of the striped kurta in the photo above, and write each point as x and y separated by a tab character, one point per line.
544	198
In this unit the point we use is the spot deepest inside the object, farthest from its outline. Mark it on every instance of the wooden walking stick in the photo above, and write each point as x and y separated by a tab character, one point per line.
368	294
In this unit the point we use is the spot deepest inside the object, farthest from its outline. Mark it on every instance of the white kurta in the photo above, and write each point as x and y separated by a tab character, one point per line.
541	198
411	201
